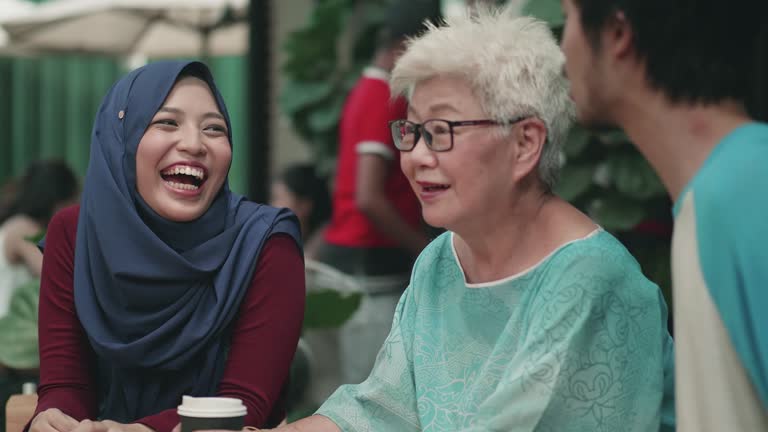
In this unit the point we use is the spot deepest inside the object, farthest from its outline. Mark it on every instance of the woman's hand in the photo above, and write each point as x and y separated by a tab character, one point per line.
52	420
110	426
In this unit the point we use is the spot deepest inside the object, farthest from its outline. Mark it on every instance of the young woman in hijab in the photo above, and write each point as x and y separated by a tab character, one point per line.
163	282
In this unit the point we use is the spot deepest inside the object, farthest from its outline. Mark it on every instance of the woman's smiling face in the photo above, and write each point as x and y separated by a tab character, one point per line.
184	156
460	187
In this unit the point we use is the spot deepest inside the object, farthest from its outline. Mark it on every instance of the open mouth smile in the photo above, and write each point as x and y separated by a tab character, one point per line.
184	177
429	191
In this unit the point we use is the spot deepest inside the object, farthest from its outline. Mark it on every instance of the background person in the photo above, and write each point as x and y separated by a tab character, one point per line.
44	188
375	229
300	189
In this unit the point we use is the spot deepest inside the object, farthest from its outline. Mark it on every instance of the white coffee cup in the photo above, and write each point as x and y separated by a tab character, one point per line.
203	413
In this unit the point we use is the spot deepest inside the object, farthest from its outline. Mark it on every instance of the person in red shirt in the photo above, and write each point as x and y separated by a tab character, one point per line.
376	228
162	282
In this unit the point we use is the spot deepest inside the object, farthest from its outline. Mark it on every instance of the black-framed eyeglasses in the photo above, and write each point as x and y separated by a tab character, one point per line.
437	133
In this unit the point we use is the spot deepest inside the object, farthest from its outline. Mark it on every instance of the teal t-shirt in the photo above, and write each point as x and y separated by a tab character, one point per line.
576	343
725	207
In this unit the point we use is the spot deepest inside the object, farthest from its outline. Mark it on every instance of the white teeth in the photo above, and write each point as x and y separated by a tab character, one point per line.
182	186
186	170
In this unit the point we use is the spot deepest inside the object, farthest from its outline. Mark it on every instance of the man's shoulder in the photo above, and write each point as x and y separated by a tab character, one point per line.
726	200
740	155
735	174
371	95
367	87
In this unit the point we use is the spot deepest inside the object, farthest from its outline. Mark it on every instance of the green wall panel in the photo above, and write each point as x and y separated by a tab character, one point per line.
229	73
25	121
47	106
6	161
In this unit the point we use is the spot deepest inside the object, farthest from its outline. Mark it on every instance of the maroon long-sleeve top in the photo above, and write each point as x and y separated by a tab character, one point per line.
263	339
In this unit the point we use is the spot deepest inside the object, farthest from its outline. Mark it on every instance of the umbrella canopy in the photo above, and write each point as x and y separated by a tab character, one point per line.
150	28
9	10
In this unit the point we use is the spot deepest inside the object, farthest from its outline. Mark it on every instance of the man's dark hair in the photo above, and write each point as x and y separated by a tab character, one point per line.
696	51
405	18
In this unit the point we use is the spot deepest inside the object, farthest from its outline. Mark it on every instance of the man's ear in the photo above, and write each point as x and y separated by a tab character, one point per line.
617	36
531	134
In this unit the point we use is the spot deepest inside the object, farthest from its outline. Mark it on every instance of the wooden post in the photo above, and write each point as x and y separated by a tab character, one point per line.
259	102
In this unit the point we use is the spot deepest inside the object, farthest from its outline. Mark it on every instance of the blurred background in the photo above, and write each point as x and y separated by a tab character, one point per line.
284	68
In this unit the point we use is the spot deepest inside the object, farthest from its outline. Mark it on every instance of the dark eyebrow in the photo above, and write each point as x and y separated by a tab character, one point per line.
173	110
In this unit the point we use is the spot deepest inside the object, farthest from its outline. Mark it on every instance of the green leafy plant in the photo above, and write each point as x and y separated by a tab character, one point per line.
328	308
36	238
324	60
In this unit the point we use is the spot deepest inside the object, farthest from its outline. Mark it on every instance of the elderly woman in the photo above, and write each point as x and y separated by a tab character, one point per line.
525	315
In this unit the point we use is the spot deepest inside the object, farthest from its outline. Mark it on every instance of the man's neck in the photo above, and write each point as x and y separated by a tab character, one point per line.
677	139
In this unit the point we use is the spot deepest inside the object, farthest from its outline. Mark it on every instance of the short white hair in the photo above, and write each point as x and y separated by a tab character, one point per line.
513	65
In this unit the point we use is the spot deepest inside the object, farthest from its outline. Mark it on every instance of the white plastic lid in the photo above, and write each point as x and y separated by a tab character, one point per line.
211	407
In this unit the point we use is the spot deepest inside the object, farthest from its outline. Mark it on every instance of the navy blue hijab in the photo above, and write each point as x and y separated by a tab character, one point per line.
157	298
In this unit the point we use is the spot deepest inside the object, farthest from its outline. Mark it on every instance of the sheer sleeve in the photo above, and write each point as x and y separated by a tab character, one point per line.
387	399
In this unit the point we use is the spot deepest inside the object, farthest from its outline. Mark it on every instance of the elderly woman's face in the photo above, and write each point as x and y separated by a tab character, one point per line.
474	178
183	157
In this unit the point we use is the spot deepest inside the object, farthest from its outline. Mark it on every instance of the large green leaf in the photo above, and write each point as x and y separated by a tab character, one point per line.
577	141
615	212
575	179
36	237
311	51
310	54
299	94
323	120
613	137
329	308
633	177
